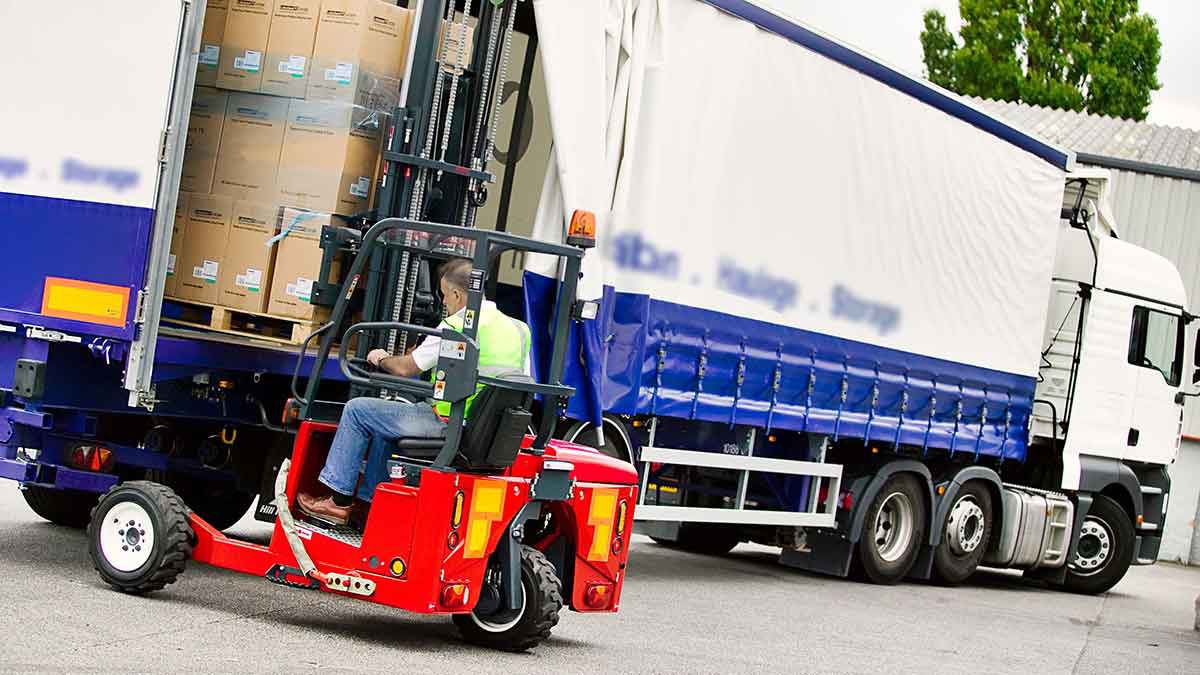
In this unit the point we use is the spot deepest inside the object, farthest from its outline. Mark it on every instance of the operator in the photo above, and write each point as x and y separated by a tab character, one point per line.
371	424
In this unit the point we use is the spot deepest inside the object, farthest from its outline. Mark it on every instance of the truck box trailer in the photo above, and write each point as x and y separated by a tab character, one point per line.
847	313
841	310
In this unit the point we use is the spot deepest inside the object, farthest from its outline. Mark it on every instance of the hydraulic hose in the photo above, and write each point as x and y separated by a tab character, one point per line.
289	525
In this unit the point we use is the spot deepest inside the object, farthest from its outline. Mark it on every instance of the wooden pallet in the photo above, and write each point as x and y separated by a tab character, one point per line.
277	329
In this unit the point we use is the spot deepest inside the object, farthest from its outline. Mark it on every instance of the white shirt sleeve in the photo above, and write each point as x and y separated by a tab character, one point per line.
426	353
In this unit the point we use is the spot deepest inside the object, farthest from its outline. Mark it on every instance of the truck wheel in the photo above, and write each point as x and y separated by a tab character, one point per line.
704	539
541	600
139	538
967	531
70	508
1105	548
894	530
219	503
616	439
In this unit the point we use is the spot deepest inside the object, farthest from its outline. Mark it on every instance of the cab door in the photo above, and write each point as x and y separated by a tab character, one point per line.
1156	351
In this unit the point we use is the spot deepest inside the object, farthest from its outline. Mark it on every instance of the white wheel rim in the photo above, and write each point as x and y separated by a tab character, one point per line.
894	527
964	527
501	627
1094	547
126	537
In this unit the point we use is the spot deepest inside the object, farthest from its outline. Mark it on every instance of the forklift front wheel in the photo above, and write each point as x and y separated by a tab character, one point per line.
541	601
139	538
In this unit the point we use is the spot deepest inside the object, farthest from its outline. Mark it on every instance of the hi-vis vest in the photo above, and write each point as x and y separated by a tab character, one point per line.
503	348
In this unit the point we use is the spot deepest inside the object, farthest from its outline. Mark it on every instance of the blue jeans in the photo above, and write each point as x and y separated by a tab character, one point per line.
368	426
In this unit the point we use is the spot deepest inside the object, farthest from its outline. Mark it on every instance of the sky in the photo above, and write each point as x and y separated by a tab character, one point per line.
891	29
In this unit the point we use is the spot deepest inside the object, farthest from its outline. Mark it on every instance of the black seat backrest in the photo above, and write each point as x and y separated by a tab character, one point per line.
497	424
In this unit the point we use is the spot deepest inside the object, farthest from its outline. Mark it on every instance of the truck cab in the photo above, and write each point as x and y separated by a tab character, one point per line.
1110	391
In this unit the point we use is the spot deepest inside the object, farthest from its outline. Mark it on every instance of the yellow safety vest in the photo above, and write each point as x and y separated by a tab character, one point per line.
503	348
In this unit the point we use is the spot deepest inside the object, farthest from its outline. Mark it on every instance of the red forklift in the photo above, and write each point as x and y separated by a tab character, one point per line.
495	524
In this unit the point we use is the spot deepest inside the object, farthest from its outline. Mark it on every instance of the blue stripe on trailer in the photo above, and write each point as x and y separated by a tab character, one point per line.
677	361
88	241
918	89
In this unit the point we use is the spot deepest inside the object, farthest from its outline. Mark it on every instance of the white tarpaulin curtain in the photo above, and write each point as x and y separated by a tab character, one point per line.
736	171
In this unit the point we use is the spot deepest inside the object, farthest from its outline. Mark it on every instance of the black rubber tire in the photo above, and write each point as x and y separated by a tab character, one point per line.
617	443
952	568
69	508
1106	512
172	543
704	538
544	600
869	564
219	503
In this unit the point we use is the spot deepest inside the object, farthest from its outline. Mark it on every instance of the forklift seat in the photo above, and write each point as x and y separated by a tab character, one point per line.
492	435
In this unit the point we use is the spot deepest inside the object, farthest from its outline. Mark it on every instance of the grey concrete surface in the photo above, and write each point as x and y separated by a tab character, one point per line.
681	614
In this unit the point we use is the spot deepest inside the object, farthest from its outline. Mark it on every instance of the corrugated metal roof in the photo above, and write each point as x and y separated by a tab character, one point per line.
1168	147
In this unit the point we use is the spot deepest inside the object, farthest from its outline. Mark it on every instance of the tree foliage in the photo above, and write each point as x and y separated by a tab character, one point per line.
1095	55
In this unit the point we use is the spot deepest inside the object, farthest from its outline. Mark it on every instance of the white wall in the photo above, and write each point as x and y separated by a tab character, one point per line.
1177	544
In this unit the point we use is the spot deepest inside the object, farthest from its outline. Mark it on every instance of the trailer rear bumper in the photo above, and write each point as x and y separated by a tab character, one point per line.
55	476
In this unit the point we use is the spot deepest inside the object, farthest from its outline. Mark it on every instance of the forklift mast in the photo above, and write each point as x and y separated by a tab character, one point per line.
436	151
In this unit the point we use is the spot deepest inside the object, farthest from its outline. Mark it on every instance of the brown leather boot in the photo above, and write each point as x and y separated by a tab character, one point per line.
323	508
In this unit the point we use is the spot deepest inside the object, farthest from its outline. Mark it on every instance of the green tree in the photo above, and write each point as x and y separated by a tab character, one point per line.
1096	55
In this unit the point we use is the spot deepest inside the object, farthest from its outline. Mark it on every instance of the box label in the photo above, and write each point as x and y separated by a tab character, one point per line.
341	73
207	272
301	290
170	264
361	188
251	280
210	55
293	65
250	61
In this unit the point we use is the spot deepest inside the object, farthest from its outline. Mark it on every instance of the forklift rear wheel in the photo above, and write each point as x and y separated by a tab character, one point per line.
139	538
69	508
541	601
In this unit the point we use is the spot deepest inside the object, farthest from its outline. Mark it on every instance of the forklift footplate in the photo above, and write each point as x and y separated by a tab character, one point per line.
348	584
292	578
346	534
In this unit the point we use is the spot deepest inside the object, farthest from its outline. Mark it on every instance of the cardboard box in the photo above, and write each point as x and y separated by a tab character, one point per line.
211	37
178	231
205	123
250	143
199	262
297	265
247	26
329	157
360	51
290	47
245	274
457	37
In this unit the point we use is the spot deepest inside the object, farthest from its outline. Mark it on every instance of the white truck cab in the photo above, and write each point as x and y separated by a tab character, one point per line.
1111	385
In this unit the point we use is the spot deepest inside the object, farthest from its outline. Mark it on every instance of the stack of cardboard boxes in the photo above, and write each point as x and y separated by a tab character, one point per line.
286	127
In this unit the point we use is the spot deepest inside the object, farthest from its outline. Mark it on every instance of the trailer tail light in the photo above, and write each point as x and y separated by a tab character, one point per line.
598	596
600	517
91	458
455	596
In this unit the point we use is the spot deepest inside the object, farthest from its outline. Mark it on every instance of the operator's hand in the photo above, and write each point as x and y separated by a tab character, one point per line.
377	355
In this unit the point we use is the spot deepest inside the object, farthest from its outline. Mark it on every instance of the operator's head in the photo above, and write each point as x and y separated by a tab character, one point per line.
455	278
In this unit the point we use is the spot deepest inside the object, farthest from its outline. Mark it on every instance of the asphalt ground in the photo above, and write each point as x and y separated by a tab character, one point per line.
681	613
